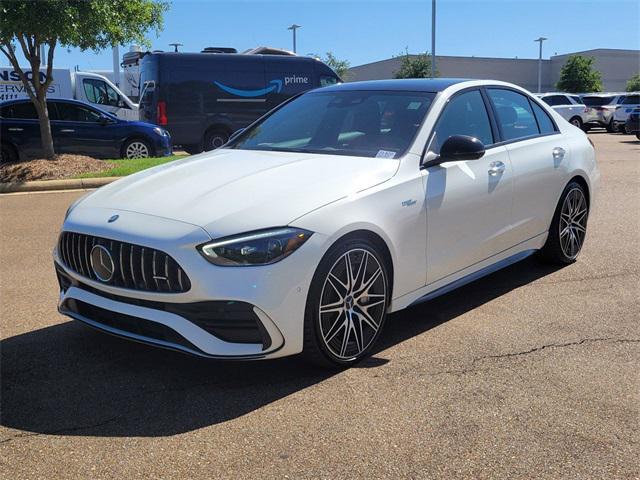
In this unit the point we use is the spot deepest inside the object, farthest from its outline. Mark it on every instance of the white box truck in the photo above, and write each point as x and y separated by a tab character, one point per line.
88	87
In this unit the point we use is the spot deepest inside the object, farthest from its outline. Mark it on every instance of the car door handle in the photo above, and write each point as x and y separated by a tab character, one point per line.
558	153
67	130
15	129
496	168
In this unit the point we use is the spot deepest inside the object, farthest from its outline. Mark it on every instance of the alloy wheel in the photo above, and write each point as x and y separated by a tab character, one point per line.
137	150
573	223
352	304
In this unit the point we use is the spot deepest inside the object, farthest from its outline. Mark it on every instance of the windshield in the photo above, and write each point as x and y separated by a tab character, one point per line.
360	123
597	101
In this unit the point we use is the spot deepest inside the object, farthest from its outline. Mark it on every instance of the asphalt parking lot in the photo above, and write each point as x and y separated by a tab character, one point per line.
531	372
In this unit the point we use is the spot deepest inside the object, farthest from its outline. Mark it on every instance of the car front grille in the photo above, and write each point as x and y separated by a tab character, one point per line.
131	266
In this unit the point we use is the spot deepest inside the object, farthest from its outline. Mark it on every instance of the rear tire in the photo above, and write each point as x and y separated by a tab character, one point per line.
610	127
568	227
346	305
8	154
215	139
576	122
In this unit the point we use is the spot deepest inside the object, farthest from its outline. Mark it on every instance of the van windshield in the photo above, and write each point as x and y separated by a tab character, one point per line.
359	123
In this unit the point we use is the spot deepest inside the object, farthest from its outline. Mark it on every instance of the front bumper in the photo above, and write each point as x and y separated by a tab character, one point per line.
228	312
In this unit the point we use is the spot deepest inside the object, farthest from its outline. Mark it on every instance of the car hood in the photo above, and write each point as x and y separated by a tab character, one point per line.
233	191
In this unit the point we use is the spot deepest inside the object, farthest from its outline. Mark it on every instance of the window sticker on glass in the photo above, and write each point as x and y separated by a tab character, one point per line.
385	154
414	105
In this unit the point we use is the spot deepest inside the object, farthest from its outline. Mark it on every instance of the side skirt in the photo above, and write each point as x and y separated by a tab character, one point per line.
470	274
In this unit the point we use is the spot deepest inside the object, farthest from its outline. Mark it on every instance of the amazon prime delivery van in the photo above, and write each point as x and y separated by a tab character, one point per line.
87	87
202	98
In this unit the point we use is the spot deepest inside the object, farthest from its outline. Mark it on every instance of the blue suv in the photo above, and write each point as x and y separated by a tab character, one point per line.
80	129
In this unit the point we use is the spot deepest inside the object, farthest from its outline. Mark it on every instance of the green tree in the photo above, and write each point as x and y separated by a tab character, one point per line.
338	66
578	75
414	66
26	25
633	85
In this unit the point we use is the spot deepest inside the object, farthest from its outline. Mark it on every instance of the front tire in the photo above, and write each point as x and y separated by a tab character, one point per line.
569	226
136	148
347	304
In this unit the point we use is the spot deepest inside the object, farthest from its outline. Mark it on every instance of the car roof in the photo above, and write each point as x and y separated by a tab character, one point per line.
432	85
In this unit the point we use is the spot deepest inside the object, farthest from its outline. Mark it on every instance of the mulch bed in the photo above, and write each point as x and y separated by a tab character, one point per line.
64	166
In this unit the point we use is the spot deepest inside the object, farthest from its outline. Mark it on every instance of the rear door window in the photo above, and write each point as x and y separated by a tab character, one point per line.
514	112
631	100
23	111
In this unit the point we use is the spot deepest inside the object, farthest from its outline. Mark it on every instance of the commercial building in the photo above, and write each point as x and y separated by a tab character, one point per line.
616	67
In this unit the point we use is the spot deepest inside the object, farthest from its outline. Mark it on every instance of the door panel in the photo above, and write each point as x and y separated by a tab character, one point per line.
468	212
538	181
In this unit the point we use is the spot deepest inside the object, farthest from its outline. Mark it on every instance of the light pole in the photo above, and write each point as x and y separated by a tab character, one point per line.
293	28
433	38
540	40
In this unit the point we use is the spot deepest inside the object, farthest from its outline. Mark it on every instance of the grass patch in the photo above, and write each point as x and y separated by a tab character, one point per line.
122	168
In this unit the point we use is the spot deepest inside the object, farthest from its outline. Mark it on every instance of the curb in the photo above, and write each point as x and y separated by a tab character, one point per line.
50	185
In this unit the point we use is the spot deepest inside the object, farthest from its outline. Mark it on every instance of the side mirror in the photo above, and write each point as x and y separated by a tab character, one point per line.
235	134
456	148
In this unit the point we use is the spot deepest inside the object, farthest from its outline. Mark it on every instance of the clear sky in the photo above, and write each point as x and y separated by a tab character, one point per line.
364	31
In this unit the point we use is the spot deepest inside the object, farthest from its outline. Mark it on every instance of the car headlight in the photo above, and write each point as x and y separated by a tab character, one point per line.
160	131
255	248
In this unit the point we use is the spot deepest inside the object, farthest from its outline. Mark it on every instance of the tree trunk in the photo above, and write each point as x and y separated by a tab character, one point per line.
45	129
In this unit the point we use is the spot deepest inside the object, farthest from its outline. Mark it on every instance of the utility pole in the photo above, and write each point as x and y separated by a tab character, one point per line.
433	38
293	28
540	40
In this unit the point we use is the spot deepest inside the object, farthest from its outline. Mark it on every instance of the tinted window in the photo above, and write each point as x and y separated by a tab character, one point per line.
515	116
577	99
367	123
557	100
23	110
465	114
544	121
76	113
326	80
597	101
631	100
98	91
548	100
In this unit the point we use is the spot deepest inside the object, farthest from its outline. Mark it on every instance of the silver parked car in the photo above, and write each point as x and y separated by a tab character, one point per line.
571	107
622	111
600	108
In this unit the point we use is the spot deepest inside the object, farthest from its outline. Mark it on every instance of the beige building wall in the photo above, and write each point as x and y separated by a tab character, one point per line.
616	67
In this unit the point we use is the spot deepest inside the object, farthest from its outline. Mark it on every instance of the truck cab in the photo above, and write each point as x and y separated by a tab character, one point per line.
100	92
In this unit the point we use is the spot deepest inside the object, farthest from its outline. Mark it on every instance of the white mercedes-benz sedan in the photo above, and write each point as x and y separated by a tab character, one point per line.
338	207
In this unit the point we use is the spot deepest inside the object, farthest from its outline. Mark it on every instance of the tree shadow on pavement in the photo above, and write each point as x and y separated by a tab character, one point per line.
71	380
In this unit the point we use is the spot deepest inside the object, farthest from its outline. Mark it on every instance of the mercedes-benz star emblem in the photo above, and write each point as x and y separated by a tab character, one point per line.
113	218
102	263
